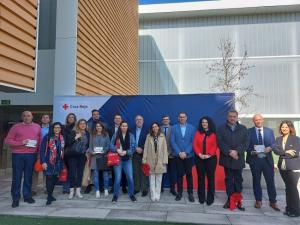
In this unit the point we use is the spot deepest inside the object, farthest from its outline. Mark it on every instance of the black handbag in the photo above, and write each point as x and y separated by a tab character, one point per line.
101	163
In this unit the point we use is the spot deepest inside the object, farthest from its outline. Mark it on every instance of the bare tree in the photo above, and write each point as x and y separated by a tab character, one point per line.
228	72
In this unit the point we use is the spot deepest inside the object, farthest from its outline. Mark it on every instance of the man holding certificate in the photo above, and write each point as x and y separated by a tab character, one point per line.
260	160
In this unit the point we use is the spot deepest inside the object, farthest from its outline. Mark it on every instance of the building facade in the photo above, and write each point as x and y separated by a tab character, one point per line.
63	47
178	41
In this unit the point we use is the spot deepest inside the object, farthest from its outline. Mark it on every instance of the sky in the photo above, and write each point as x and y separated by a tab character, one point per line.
145	2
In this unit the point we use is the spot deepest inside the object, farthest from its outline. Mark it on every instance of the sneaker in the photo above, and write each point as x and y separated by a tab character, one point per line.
29	200
15	204
114	199
133	199
97	194
71	194
105	193
78	193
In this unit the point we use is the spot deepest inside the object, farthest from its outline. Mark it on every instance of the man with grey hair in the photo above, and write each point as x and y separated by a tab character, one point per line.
260	160
24	139
140	134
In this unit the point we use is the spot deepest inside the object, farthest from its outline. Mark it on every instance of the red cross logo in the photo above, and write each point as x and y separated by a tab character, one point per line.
65	106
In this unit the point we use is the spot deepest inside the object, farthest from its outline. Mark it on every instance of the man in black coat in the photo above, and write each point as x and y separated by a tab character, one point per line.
233	141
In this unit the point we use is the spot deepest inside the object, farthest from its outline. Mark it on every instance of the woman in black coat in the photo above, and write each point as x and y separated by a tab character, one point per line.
287	146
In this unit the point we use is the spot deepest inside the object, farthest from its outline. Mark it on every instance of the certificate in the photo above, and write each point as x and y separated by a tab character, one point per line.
259	148
31	143
98	150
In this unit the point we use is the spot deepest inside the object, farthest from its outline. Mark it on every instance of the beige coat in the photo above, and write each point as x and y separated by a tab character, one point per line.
157	161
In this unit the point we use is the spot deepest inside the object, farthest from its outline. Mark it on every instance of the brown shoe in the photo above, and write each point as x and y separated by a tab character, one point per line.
258	204
274	206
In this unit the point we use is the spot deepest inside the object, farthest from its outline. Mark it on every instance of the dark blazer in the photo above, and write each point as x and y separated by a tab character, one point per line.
268	139
111	131
180	143
70	140
237	140
292	143
142	138
168	139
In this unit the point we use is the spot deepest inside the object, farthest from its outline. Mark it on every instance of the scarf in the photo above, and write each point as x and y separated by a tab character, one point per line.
125	142
55	145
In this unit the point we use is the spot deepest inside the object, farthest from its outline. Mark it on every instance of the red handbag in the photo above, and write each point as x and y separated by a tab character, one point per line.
113	159
63	176
146	169
38	166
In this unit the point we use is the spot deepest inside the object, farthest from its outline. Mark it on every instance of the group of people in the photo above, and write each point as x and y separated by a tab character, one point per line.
81	145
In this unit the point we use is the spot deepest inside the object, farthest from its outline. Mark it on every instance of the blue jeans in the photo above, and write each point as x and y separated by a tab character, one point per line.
127	167
22	163
105	179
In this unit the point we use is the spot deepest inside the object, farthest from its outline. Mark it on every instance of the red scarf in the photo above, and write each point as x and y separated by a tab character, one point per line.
53	149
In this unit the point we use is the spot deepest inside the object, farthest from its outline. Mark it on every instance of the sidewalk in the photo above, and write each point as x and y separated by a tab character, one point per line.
166	210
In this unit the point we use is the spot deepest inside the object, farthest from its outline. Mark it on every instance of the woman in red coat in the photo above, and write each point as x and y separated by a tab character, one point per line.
205	148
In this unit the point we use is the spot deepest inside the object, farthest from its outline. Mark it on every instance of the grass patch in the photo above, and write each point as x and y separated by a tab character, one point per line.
24	220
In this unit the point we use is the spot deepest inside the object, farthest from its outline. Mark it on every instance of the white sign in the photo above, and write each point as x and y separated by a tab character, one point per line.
81	106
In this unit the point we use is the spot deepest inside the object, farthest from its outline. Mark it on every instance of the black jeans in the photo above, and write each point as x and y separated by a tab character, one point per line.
184	167
290	179
233	181
206	168
50	183
76	166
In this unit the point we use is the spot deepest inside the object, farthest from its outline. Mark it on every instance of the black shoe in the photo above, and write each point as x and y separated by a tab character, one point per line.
29	200
48	202
240	207
124	190
33	193
133	199
135	192
15	204
88	189
114	199
178	197
191	198
52	198
226	205
111	191
144	193
173	192
286	213
201	198
210	200
66	192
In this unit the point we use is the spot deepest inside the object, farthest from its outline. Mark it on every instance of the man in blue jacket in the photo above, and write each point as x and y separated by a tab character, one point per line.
140	180
182	146
260	159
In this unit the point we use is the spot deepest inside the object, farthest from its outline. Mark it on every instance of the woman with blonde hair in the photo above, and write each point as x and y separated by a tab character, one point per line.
78	143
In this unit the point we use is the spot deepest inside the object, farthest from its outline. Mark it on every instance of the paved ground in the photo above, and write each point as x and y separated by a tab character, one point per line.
166	210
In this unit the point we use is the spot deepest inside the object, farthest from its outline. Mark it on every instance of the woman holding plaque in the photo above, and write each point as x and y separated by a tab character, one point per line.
99	146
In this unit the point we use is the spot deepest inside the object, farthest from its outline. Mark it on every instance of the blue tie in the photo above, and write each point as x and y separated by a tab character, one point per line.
260	140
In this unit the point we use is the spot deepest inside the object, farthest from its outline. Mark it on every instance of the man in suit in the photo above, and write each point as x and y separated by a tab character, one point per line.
166	128
114	129
140	180
261	161
233	141
182	137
